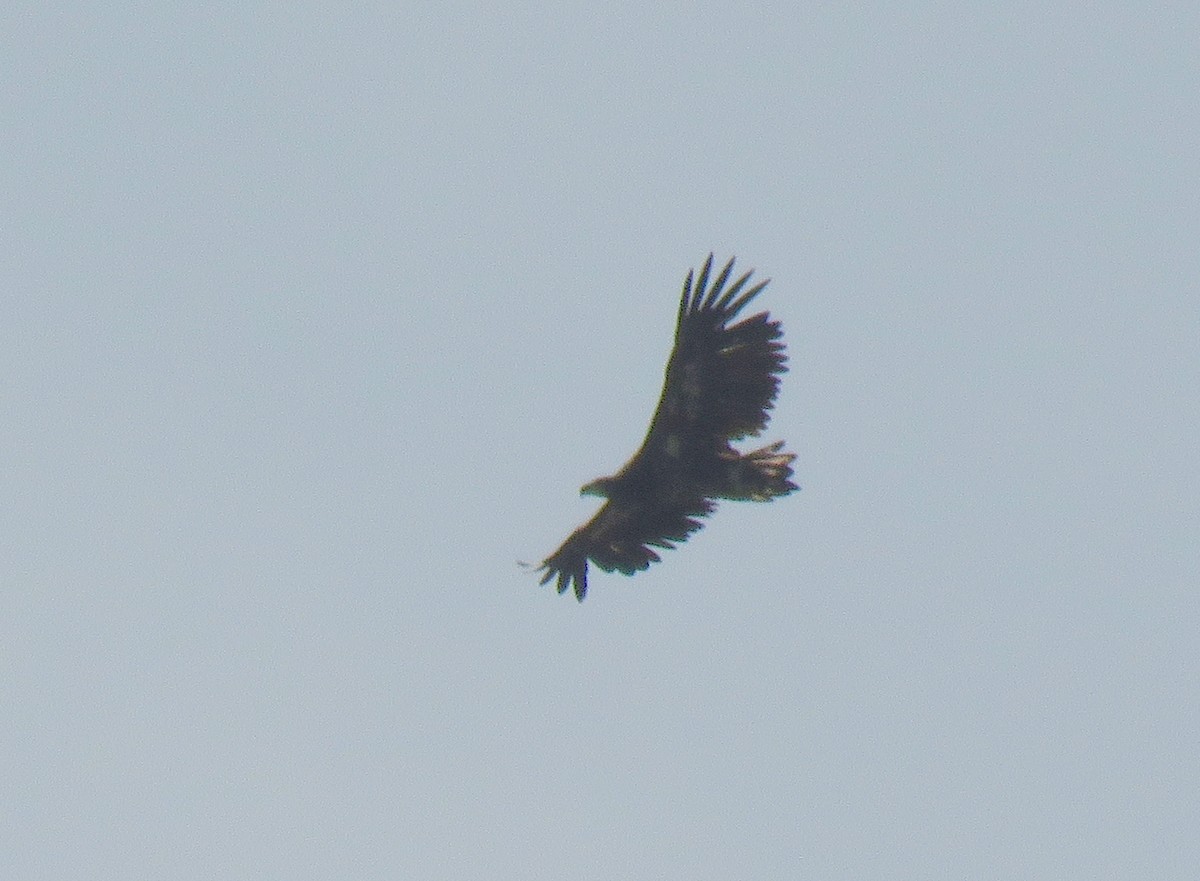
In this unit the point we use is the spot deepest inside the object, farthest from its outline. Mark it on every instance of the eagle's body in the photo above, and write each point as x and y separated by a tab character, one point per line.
720	385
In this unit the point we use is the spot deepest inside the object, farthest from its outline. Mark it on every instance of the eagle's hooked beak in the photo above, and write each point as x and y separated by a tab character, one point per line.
595	488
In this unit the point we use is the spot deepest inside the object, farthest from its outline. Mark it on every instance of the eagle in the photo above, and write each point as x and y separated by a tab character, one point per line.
721	382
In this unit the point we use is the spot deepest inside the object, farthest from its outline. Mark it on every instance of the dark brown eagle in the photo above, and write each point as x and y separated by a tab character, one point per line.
721	383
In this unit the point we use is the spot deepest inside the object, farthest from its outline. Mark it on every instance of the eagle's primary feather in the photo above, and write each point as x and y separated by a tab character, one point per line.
721	383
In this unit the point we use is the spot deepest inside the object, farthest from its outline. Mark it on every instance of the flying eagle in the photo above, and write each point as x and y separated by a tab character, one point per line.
721	382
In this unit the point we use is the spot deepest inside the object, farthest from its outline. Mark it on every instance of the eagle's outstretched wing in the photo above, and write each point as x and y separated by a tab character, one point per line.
722	378
621	537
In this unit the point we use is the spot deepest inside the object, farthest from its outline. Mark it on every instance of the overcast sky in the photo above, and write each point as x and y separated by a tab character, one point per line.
315	319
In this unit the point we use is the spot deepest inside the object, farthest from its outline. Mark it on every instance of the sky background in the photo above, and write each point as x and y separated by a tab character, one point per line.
315	319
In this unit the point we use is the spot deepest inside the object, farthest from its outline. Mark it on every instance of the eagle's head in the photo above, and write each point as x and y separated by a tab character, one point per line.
601	486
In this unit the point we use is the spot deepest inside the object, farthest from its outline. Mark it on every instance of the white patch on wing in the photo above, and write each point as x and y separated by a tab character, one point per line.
673	446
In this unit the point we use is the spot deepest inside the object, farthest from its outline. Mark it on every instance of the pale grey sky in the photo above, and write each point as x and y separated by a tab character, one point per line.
317	318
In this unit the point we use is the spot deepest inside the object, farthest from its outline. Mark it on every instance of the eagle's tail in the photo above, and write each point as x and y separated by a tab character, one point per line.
762	474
